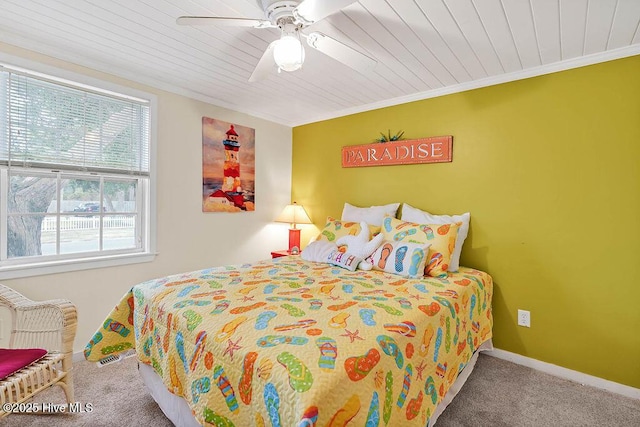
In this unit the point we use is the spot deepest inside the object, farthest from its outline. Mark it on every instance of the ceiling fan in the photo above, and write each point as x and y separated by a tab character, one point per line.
292	16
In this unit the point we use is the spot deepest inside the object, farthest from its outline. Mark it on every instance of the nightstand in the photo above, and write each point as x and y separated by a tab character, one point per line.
278	254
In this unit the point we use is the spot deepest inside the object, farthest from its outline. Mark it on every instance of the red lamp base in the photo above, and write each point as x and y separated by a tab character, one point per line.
294	238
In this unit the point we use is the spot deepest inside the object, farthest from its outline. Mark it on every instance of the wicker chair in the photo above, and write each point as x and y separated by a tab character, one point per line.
50	325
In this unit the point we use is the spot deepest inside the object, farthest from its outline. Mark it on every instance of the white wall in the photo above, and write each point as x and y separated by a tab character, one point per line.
187	238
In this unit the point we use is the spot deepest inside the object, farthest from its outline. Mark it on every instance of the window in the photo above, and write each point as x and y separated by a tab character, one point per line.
75	175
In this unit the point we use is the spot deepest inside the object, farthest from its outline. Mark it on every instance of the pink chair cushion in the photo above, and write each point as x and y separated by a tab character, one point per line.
14	359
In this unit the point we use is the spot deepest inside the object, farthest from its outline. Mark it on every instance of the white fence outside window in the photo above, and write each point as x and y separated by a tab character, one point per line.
88	223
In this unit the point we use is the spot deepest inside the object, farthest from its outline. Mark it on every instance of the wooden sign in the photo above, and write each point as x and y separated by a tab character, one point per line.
436	149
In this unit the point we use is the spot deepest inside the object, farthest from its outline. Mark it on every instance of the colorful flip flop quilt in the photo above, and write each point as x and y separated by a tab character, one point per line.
288	342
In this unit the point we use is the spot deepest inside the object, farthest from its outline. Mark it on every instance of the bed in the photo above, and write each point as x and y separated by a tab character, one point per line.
289	342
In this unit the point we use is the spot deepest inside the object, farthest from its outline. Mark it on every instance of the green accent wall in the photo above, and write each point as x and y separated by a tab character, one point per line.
549	168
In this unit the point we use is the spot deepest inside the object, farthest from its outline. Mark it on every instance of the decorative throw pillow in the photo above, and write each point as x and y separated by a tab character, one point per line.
335	229
409	213
442	238
344	260
402	258
372	215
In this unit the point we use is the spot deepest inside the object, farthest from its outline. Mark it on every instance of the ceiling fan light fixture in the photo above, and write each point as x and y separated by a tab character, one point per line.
288	53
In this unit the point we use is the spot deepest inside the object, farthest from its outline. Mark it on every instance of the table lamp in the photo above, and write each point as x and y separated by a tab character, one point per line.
294	214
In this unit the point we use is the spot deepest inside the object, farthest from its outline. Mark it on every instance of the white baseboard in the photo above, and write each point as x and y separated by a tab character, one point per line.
565	373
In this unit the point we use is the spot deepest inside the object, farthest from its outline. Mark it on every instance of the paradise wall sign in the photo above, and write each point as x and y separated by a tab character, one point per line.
435	149
228	166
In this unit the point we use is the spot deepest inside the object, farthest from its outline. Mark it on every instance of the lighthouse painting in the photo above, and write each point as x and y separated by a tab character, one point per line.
228	166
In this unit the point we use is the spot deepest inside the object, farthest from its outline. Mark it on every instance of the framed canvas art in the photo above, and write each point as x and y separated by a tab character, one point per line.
228	166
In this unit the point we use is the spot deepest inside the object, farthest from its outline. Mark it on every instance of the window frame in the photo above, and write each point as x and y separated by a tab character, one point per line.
15	268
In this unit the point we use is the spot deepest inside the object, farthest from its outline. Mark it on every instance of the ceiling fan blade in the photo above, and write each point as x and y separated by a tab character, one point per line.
314	10
225	22
265	65
341	52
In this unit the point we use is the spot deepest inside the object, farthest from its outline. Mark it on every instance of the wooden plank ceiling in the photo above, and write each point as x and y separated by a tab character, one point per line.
423	47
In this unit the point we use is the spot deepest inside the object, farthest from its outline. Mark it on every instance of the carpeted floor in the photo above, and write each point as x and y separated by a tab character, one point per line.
498	393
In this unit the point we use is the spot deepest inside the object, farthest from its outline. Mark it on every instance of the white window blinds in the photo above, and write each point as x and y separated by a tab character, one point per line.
46	124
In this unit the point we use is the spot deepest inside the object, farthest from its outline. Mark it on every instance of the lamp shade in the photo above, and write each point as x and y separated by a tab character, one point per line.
294	214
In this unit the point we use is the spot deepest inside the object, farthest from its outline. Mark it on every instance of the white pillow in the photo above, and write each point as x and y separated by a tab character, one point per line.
409	213
318	251
372	215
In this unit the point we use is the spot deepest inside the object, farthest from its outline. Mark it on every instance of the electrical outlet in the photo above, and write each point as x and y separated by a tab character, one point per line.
524	318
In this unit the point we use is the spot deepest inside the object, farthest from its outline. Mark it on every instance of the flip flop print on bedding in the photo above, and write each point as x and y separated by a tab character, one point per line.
430	389
293	310
272	402
366	314
339	321
391	348
215	419
358	367
229	329
406	328
193	319
443	302
97	337
262	321
388	309
301	324
436	349
117	327
274	340
116	348
221	306
328	353
388	397
146	347
384	255
176	385
413	408
222	381
404	303
309	417
339	307
185	291
246	379
200	386
373	416
406	384
315	304
416	258
401	235
428	231
246	308
180	350
400	254
346	413
189	302
300	378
